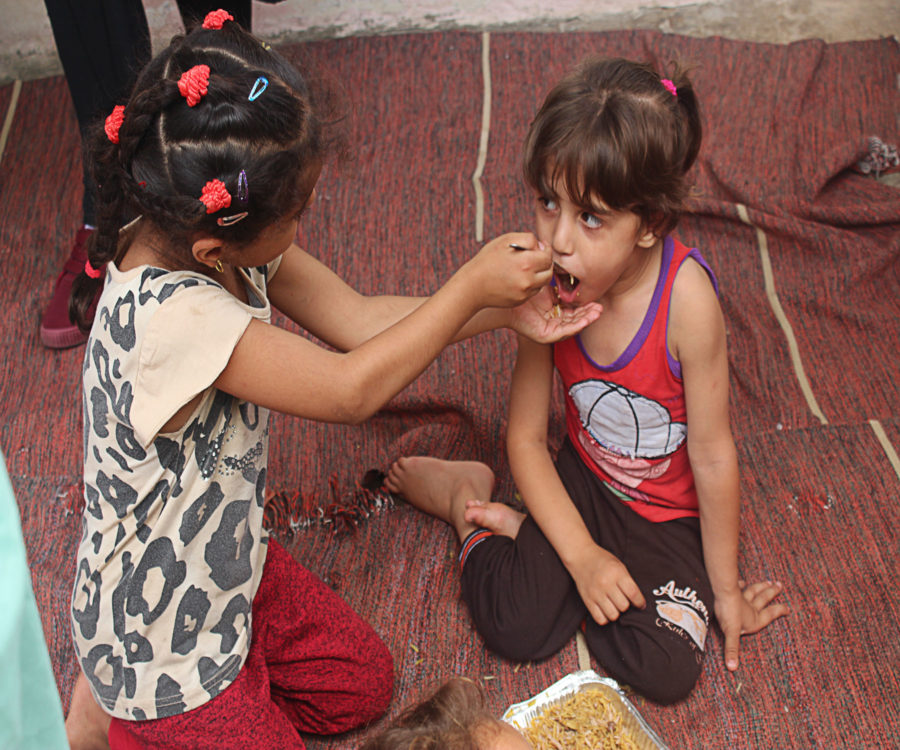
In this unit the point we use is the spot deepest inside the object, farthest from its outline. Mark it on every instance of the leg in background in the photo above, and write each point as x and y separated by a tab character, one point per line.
102	46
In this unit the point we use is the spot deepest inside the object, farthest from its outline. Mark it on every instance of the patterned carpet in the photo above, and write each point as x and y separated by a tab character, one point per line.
807	252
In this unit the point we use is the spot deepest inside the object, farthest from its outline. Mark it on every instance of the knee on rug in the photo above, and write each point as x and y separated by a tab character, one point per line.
662	675
517	639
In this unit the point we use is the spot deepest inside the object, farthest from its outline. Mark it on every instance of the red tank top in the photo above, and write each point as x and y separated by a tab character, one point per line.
628	420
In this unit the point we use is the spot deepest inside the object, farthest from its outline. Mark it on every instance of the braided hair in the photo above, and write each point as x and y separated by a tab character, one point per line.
251	126
616	129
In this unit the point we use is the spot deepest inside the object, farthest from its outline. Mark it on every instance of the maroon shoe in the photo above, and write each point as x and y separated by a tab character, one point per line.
57	331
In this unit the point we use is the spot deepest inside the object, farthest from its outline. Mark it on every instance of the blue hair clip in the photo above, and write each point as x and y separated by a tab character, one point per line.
261	84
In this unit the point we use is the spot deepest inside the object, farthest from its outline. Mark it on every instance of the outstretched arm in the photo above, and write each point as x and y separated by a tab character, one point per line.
603	582
286	372
698	331
321	302
317	299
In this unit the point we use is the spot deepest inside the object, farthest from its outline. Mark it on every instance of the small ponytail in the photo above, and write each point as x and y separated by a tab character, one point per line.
689	108
88	283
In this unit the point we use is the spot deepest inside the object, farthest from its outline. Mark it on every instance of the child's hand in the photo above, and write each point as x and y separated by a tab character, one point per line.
747	611
542	320
508	270
605	585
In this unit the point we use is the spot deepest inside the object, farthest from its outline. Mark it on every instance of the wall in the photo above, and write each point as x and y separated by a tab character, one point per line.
27	49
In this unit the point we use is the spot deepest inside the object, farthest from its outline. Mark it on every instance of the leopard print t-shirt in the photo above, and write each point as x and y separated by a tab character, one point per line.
173	544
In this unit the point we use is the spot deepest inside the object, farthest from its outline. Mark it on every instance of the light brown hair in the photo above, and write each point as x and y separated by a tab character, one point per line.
445	720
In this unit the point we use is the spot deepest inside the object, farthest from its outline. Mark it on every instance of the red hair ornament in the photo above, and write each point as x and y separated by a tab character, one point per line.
215	19
113	122
94	273
194	83
215	196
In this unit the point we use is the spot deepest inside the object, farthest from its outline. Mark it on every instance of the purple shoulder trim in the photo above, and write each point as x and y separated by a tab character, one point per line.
641	336
674	364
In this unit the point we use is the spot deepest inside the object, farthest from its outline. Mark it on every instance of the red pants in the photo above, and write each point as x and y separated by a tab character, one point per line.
314	666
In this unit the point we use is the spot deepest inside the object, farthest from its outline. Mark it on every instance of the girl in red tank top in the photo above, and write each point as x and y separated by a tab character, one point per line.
631	531
607	158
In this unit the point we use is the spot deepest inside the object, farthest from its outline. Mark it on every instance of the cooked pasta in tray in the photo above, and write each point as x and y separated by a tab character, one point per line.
586	720
583	711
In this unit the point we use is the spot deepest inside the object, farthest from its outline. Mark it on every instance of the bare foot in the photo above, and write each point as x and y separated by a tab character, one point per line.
498	517
87	725
442	488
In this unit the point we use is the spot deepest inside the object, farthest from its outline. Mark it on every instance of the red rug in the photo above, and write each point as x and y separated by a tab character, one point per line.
814	402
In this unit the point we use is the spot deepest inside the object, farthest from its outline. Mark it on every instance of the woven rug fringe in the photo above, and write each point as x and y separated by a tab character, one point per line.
343	511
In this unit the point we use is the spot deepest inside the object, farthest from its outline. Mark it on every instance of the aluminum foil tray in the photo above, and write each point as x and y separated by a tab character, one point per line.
520	715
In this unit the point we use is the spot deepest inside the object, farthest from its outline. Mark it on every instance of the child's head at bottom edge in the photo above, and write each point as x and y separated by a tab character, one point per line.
453	717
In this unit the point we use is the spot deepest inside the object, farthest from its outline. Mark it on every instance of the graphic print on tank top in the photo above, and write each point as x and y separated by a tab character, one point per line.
626	434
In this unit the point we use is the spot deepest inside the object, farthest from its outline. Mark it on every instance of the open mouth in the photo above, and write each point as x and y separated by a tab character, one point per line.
565	283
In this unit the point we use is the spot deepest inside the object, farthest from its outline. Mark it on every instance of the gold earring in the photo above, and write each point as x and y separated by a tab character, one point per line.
219	267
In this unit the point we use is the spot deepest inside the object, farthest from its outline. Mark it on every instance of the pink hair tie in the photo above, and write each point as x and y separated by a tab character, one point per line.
215	19
194	83
670	87
215	196
94	273
114	122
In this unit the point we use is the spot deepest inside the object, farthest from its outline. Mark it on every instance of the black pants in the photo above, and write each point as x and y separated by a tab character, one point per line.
103	44
526	605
